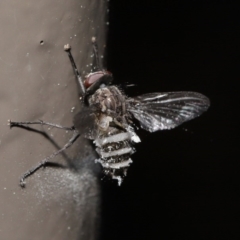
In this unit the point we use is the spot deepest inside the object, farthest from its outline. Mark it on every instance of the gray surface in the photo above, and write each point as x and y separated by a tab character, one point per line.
37	82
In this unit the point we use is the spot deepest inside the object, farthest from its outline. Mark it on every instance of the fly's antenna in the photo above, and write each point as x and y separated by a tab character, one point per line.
96	57
67	48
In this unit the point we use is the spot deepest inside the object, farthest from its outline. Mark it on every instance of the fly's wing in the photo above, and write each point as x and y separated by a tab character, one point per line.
158	111
85	122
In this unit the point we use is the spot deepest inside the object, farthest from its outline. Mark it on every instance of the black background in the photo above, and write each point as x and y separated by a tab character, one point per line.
184	183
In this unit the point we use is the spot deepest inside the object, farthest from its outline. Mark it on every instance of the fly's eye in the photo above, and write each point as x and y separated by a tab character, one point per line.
94	77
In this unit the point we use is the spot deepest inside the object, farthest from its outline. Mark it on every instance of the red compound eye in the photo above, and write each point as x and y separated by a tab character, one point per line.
94	77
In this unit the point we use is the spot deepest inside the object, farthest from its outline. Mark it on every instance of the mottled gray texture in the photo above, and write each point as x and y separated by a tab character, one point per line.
37	82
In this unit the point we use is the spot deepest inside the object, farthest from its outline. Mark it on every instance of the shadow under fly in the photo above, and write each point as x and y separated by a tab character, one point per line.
107	117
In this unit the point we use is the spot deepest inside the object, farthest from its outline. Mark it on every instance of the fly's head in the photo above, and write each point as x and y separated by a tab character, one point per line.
97	80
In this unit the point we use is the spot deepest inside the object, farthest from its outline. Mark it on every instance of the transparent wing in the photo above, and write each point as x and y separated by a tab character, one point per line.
158	111
84	122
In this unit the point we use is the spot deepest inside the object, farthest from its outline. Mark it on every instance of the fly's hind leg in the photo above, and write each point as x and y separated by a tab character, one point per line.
40	122
46	160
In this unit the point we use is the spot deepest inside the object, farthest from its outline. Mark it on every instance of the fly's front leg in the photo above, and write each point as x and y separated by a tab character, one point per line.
46	160
82	89
40	122
96	57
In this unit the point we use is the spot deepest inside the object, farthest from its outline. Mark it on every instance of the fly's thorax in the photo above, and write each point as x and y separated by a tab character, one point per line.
109	99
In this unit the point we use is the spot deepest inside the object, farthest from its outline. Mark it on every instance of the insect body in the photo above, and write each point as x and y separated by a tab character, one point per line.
113	135
107	115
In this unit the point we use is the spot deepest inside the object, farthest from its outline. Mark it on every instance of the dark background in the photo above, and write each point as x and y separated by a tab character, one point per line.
184	183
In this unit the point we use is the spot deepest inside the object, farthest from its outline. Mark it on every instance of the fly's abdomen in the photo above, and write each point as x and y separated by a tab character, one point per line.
115	150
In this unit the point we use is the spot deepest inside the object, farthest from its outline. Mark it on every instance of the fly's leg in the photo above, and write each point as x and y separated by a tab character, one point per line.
96	57
40	122
67	48
46	160
122	126
105	79
118	124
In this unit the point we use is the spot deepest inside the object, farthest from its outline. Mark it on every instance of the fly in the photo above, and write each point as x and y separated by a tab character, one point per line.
107	117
